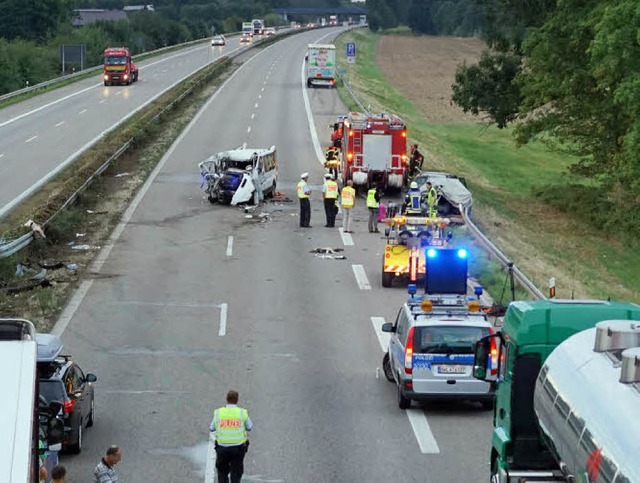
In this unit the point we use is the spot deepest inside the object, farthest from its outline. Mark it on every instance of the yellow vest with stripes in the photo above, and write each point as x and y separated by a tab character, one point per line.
229	424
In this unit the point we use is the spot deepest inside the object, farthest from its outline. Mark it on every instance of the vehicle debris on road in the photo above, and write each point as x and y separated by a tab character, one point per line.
331	257
326	250
35	228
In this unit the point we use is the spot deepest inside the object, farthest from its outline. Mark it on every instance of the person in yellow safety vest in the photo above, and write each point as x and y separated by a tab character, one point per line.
432	200
230	424
413	200
332	157
304	192
330	195
373	202
348	201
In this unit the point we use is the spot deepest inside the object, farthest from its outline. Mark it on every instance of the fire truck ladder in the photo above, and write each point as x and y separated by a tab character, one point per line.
357	141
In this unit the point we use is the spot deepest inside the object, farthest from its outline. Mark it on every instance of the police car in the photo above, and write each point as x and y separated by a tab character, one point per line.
431	348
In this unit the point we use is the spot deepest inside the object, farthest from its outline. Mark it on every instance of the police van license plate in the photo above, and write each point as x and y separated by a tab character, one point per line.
458	369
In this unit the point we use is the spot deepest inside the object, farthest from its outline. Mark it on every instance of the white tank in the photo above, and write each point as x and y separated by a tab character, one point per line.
589	417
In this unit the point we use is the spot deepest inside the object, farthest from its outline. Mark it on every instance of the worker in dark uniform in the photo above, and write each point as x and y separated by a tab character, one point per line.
332	157
416	161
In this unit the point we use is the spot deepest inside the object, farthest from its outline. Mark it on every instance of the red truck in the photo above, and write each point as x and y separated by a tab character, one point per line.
374	149
119	68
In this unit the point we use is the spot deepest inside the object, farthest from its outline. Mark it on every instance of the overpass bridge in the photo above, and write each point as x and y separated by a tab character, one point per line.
317	11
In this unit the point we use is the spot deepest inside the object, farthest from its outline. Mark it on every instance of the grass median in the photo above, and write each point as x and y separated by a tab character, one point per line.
542	240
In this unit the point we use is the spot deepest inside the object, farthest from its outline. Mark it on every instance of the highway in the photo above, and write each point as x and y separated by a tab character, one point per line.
44	134
195	299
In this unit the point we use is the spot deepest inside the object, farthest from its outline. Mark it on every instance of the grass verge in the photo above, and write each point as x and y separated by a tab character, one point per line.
544	239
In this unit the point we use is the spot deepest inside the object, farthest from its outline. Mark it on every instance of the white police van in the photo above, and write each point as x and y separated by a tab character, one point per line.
431	349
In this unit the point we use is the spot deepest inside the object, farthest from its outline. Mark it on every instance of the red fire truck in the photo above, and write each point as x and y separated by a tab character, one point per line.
374	149
119	68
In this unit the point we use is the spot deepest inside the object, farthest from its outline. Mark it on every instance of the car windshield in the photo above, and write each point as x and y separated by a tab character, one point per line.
115	60
455	339
52	390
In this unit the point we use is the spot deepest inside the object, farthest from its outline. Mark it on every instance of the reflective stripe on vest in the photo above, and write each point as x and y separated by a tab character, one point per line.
229	424
348	197
332	190
371	198
301	186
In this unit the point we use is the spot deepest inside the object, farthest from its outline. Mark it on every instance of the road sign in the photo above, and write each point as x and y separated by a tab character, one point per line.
351	52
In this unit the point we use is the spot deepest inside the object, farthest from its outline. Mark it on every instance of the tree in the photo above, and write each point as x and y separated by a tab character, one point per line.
33	19
420	17
489	87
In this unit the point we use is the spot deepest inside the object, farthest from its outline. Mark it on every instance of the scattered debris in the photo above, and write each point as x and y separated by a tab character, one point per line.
327	250
35	228
250	209
280	197
263	215
248	217
91	212
85	247
72	266
120	175
331	257
78	235
71	243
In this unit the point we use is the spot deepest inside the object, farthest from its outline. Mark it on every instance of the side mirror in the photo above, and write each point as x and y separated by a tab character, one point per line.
388	327
90	377
485	363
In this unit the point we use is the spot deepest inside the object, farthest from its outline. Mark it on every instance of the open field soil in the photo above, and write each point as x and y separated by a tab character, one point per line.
423	69
412	76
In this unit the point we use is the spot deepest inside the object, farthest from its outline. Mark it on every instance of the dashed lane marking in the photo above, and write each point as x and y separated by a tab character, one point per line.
418	420
347	239
31	139
361	277
230	246
224	309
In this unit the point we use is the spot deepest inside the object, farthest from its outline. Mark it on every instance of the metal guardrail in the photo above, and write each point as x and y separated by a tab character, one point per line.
527	284
9	248
97	68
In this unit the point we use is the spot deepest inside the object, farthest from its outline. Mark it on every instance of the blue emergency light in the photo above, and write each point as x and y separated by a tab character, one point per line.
412	288
446	271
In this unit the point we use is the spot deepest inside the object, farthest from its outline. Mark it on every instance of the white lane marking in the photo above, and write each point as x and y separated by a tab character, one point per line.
347	239
59	124
244	145
83	111
102	101
210	468
417	418
230	246
259	96
383	337
100	84
422	430
361	277
31	139
249	129
1	155
224	309
256	105
262	90
253	115
101	258
118	93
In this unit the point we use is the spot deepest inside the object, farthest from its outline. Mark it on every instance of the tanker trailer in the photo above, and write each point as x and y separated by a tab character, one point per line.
567	392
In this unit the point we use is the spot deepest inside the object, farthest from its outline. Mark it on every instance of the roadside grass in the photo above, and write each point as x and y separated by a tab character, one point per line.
522	195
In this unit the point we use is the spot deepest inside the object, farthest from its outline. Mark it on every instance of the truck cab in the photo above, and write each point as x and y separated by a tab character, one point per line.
119	67
532	330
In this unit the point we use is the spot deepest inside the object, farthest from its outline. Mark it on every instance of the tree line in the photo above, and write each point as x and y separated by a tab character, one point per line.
433	17
31	31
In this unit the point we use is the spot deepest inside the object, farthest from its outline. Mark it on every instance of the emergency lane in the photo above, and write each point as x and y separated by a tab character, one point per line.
42	134
298	342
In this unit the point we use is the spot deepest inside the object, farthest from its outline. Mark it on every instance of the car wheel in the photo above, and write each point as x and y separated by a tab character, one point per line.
403	402
387	279
272	192
212	200
386	367
77	448
91	414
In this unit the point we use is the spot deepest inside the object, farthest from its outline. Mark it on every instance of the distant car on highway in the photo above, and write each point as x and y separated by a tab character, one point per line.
270	31
61	379
245	38
218	40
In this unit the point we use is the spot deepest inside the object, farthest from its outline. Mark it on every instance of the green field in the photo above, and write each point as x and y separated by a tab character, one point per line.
544	241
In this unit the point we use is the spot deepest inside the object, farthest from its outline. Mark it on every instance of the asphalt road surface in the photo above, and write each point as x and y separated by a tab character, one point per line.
193	299
46	132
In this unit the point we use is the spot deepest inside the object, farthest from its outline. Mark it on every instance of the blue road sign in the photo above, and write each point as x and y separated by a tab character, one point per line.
351	49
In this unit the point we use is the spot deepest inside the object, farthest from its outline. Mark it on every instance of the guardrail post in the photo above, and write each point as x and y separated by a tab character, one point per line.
552	288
